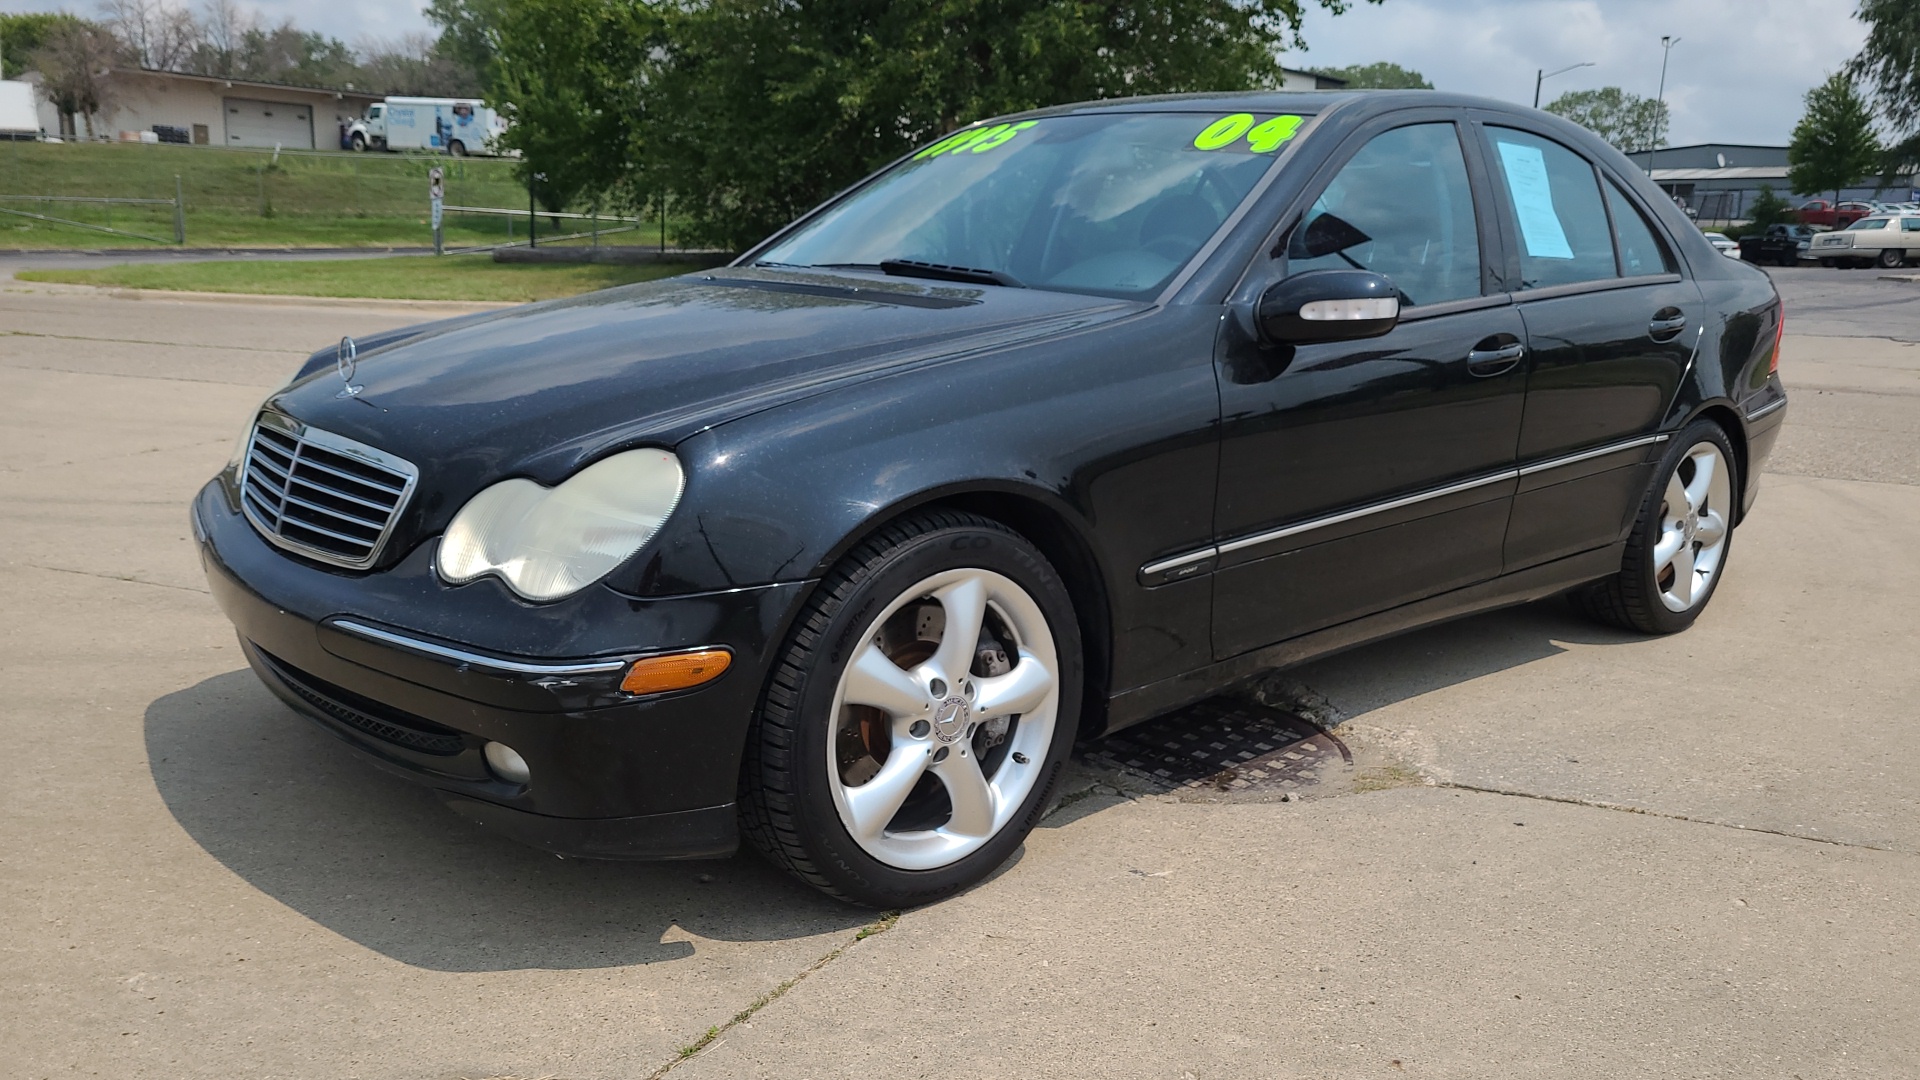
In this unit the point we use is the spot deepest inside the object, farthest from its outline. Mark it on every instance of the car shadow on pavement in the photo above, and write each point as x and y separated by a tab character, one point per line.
1284	733
1381	673
293	812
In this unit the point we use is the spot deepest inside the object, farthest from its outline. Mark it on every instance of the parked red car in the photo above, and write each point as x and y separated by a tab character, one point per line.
1831	215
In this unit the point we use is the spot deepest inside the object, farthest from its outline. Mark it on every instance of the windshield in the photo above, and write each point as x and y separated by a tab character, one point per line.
1868	223
1111	204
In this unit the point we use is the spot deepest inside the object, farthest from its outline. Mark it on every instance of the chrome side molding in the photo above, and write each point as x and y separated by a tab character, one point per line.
1188	564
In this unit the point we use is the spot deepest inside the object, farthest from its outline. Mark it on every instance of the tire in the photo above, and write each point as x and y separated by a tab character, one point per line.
456	148
1892	258
1647	593
858	758
359	142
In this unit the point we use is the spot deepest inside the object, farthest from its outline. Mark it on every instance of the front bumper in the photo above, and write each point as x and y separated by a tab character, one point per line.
429	673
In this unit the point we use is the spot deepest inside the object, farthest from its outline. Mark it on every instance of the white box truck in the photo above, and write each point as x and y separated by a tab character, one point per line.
19	117
456	126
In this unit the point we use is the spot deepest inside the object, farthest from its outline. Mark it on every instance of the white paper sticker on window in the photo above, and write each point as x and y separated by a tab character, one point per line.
1533	202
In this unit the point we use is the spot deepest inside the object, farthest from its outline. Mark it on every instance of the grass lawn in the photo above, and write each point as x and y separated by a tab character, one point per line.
255	198
423	277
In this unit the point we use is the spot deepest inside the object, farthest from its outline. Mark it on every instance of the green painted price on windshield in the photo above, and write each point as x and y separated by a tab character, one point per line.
975	140
1263	137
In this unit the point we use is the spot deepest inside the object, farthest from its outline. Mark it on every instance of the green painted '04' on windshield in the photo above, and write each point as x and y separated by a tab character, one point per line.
975	141
1262	138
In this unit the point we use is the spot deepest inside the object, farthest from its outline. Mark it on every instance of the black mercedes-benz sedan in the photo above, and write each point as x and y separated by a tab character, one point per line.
1053	425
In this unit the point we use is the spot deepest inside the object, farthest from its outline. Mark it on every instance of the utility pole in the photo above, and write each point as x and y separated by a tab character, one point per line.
532	225
1541	75
436	204
1666	53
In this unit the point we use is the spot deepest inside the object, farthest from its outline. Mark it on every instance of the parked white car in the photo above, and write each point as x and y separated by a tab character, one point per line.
1723	244
1885	240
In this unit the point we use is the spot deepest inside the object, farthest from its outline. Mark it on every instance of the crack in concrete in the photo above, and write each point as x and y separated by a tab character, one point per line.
127	375
117	577
110	457
714	1034
1594	804
124	375
143	341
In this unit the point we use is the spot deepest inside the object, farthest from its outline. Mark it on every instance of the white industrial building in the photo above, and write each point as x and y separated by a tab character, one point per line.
210	111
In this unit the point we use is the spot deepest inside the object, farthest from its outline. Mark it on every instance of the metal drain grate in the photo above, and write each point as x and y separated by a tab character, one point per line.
1221	743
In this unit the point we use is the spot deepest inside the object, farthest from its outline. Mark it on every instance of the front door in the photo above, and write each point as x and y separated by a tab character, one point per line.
1361	475
1612	327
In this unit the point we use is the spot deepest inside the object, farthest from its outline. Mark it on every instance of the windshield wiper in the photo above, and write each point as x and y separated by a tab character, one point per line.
942	272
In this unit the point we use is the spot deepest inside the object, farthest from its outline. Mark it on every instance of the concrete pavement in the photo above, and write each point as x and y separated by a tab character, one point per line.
1574	853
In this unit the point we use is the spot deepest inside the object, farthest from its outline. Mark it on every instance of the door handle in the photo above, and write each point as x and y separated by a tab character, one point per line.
1489	362
1667	324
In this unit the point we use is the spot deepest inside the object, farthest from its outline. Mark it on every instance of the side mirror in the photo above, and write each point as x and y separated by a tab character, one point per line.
1328	305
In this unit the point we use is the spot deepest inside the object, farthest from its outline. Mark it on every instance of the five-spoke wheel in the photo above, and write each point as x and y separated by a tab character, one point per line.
1695	521
1678	547
920	716
943	718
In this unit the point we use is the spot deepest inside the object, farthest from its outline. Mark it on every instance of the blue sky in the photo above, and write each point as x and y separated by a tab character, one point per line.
1738	73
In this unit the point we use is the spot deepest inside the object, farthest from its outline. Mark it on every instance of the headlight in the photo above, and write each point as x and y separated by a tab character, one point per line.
546	543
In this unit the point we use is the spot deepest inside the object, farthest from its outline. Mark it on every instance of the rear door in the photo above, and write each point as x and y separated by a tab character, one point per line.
1611	325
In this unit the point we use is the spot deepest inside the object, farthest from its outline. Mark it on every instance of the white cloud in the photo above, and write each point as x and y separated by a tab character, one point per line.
1738	75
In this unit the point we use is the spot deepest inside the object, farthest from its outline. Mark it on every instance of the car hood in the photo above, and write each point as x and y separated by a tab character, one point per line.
540	390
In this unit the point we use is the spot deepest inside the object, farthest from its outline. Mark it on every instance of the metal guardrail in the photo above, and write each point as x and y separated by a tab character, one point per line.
178	203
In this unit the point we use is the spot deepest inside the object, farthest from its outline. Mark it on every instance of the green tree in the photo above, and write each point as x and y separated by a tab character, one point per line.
73	63
1630	122
1379	76
752	111
573	78
23	35
1889	65
1770	209
1834	145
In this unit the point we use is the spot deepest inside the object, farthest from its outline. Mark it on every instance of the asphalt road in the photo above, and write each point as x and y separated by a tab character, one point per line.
1561	851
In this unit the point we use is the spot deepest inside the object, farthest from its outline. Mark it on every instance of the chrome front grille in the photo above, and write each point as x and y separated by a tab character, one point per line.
321	495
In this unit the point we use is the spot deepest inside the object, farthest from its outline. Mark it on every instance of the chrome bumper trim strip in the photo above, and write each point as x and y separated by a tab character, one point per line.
1765	409
488	663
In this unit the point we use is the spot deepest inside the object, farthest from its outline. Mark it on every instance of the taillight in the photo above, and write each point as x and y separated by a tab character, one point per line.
1779	331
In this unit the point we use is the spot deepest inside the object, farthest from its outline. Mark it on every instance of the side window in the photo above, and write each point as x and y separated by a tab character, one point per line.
1641	252
1403	207
1554	197
1910	224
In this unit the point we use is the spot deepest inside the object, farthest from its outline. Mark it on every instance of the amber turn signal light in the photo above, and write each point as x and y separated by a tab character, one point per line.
675	671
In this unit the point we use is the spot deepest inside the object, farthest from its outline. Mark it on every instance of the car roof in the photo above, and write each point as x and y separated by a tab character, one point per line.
1280	101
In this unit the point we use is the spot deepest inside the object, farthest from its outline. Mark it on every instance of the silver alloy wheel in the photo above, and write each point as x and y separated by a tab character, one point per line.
910	713
1694	522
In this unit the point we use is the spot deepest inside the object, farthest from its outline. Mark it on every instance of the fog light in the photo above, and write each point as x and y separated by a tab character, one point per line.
507	764
675	671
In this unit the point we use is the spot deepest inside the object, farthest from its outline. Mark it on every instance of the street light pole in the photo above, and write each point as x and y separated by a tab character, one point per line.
1666	53
1541	75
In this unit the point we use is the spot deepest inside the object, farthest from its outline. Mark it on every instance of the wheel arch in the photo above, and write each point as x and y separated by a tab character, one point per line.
1060	535
1722	412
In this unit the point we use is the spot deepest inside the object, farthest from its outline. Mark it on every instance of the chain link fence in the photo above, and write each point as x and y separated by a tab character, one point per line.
232	197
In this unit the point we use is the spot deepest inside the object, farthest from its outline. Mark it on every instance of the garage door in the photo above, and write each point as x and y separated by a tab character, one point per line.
269	123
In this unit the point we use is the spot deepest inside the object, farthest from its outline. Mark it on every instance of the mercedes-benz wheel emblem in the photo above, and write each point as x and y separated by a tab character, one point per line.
346	357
